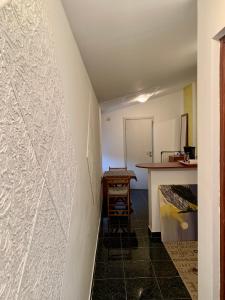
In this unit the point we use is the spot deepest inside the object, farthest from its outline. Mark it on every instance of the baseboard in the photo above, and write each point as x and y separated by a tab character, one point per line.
154	234
93	267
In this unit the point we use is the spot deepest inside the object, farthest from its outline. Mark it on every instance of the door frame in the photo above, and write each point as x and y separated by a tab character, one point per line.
124	135
222	167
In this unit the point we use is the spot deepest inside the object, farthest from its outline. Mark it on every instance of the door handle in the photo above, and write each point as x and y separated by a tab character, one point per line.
149	153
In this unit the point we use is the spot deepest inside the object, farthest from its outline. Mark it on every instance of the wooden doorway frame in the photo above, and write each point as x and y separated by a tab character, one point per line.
222	168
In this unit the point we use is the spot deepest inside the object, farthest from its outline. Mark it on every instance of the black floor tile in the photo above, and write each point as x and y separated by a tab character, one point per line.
137	223
111	234
130	264
101	255
141	232
99	270
136	254
131	235
115	255
136	219
108	254
134	269
110	229
142	288
164	269
108	249
173	288
130	243
111	289
110	242
112	269
159	254
152	242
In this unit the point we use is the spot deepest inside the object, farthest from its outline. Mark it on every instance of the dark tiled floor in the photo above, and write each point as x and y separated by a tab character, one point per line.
130	264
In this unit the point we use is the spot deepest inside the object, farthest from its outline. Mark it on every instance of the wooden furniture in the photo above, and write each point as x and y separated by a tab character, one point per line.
166	154
119	173
116	173
173	158
117	169
118	196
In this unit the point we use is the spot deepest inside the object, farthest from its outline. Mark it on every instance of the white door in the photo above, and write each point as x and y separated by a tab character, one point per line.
139	145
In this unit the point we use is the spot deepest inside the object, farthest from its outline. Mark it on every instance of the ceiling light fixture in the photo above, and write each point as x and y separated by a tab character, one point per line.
142	98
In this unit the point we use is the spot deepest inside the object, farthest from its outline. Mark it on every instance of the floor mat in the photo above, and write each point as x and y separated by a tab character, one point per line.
185	257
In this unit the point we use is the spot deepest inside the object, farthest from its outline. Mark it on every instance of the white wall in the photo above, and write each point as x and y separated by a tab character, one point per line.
49	165
84	112
166	112
211	19
194	103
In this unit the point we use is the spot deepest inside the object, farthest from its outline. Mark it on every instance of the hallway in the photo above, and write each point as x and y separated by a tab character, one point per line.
131	265
75	76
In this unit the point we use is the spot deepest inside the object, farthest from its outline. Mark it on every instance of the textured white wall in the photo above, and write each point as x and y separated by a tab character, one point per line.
211	20
49	165
166	112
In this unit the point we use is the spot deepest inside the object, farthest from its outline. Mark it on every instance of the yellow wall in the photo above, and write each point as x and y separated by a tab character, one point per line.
188	108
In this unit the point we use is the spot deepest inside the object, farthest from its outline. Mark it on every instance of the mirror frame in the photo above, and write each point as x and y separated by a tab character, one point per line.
184	131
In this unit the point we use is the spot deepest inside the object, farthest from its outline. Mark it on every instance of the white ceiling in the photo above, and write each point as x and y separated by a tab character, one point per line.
130	46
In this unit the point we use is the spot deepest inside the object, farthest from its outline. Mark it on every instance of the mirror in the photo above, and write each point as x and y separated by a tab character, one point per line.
184	132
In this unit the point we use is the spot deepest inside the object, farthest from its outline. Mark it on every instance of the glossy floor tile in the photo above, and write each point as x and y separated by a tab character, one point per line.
109	290
142	288
132	265
173	287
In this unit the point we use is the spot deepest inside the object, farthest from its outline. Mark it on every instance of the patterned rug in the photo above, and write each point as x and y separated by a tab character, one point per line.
185	257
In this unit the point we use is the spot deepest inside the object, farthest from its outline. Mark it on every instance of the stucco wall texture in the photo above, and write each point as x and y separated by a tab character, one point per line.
37	157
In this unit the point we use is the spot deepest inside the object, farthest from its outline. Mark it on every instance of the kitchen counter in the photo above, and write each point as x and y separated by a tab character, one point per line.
165	173
169	165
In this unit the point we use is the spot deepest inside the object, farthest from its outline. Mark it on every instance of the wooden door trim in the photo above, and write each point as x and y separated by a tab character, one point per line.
222	168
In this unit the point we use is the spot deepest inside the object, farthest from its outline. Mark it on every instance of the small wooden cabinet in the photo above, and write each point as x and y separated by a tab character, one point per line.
173	158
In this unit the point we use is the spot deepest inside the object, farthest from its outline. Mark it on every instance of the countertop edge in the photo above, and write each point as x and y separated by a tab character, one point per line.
171	165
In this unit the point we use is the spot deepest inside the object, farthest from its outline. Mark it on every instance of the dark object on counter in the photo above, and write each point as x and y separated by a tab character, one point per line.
191	151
